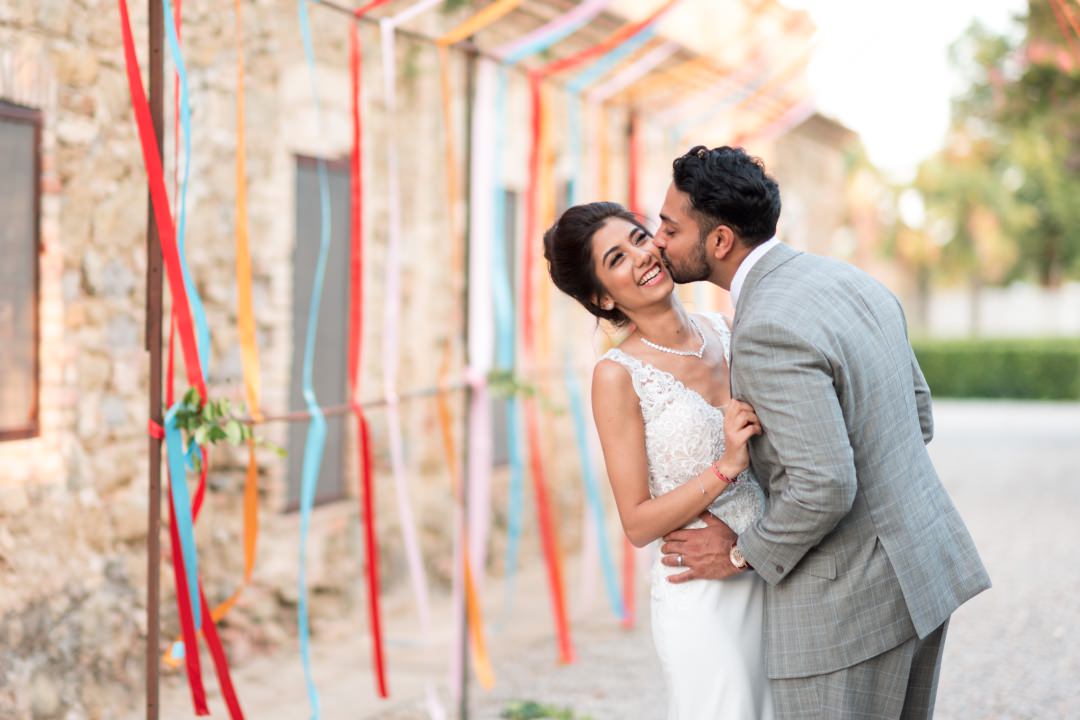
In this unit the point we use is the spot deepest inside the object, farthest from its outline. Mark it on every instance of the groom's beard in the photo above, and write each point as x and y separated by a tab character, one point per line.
693	269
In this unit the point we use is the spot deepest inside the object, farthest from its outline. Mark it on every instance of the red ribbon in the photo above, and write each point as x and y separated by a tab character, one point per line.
187	624
629	551
160	201
547	530
356	338
548	534
182	318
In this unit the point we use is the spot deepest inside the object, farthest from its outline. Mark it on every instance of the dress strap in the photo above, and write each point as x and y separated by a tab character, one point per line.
720	325
643	376
628	361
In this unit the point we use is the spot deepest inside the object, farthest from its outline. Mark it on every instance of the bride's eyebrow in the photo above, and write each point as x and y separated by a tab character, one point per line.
613	248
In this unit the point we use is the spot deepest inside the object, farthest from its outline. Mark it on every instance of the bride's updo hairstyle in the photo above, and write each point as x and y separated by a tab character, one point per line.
568	250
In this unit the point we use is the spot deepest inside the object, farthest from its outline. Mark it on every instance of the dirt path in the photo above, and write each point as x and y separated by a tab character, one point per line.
1013	652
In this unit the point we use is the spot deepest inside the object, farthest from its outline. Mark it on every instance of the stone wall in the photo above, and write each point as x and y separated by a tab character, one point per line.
73	502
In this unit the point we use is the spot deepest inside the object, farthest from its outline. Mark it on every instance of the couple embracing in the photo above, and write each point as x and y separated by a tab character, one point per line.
810	555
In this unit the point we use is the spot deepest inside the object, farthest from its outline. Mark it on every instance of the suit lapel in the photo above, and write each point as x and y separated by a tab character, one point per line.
769	262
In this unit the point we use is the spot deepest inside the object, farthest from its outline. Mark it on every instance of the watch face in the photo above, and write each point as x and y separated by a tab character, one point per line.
737	558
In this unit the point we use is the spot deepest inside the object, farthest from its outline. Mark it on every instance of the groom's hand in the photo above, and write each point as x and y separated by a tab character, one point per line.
704	552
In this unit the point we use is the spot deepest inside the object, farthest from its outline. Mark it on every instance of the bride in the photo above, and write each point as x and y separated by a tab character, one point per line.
674	443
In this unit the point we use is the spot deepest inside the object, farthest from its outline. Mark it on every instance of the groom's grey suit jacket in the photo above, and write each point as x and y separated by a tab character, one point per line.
860	545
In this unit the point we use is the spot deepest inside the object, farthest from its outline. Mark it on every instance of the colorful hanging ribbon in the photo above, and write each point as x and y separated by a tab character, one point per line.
548	537
481	336
167	233
391	342
502	294
795	115
746	94
550	33
469	544
623	607
315	441
503	305
356	339
174	443
596	520
182	317
248	350
632	73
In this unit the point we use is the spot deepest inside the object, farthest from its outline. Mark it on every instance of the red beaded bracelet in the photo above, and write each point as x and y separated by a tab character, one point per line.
721	475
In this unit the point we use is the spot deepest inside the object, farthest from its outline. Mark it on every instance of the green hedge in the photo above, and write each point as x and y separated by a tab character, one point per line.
1016	369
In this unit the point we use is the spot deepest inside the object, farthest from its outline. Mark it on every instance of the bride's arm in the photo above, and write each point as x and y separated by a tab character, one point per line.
622	436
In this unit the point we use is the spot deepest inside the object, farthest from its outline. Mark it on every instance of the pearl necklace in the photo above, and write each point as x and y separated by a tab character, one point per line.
699	353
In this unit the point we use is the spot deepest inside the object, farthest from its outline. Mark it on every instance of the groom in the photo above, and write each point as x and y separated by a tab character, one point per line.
864	554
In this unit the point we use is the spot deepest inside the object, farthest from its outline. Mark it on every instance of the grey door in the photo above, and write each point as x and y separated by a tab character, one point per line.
329	374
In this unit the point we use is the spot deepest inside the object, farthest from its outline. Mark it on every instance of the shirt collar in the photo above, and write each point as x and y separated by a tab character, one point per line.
744	268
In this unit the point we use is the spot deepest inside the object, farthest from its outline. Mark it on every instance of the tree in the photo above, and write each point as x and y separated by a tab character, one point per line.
1007	183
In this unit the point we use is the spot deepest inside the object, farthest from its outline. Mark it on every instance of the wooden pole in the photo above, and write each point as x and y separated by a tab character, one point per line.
153	346
470	91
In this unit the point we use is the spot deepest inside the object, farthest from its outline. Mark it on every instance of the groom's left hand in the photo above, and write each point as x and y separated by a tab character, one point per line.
704	552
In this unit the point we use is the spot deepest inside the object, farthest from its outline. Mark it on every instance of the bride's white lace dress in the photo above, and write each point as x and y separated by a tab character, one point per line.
707	632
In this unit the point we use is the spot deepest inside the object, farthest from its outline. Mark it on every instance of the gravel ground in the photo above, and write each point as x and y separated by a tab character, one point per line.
1012	652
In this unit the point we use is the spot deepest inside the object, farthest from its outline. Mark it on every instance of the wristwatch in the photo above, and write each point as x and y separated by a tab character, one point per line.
737	558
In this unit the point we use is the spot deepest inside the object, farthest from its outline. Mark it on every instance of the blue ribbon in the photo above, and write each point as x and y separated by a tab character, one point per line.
592	491
503	301
743	92
181	460
609	60
202	328
543	43
174	443
315	442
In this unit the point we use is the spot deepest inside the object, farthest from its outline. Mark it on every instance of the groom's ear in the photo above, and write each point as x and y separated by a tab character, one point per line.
721	241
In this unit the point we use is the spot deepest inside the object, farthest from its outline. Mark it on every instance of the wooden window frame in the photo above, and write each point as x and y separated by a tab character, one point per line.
20	114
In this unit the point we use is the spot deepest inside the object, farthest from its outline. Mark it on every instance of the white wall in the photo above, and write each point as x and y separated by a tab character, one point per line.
1020	310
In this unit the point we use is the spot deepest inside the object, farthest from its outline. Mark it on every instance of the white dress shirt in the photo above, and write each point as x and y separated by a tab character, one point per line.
744	268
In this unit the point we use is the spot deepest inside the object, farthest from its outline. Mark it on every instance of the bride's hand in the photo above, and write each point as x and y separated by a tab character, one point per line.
740	424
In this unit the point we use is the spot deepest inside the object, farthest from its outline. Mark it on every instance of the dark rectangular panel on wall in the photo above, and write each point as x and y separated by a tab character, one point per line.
500	452
20	206
330	369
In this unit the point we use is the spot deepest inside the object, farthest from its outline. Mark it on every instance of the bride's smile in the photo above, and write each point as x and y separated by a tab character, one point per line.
653	276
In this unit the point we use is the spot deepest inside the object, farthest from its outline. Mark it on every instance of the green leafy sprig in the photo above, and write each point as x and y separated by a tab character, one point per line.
532	710
213	422
504	384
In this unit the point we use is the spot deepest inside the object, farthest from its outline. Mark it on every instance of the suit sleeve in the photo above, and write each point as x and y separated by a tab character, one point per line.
922	400
789	382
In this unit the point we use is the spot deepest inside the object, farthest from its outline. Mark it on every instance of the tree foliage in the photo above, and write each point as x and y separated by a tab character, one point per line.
1005	189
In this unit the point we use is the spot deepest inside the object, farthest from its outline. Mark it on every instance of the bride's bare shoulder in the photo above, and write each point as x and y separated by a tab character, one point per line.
610	375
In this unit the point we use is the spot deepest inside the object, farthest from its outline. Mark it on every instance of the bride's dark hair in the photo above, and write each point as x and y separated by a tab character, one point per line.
568	249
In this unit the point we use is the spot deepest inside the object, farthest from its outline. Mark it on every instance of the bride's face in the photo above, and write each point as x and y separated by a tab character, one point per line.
628	266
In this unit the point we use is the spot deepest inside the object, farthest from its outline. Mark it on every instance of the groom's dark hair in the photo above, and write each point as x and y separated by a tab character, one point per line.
729	187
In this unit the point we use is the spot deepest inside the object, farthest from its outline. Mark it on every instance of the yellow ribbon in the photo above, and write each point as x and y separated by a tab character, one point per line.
472	25
481	660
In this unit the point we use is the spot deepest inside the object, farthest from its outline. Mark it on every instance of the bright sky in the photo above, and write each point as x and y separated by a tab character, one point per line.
882	69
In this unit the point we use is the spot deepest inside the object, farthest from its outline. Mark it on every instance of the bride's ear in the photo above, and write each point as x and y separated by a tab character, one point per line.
604	302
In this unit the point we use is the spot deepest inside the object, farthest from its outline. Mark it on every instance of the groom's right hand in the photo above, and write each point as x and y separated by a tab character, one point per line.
705	552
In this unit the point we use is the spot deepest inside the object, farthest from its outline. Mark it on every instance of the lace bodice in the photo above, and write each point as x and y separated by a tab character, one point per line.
684	434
